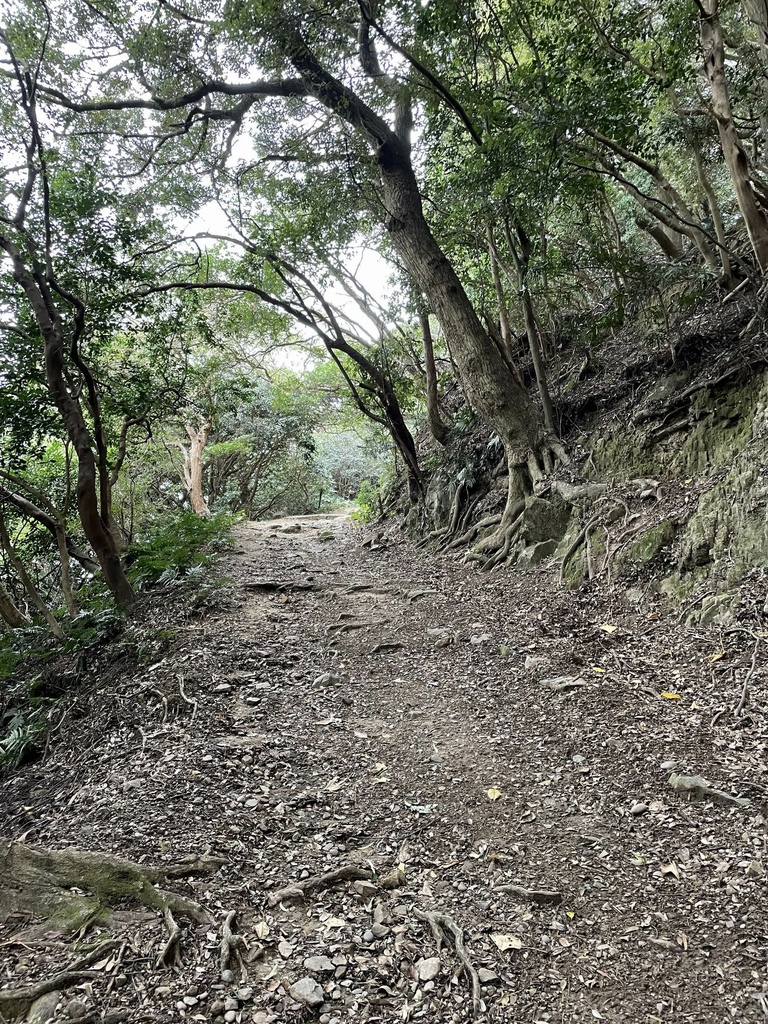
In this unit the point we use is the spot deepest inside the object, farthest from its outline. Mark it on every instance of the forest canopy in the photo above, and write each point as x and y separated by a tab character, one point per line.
255	254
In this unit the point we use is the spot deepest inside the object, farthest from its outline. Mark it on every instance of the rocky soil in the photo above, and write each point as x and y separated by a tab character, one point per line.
420	792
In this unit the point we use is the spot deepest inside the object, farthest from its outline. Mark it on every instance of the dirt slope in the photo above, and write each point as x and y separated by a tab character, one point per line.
394	714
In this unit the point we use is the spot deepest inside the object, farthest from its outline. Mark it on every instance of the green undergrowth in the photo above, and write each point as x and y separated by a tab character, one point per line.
36	670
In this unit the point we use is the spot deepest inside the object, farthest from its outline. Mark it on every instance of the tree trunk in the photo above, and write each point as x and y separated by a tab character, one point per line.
506	330
486	379
522	259
755	220
663	239
193	465
26	581
717	219
51	327
9	612
437	428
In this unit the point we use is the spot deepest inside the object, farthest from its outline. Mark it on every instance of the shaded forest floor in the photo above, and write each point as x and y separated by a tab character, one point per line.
443	734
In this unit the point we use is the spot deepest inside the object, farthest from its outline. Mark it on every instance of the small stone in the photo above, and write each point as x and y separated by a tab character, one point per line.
43	1008
668	765
428	969
181	1006
217	1007
328	679
192	990
230	1016
162	992
285	949
365	890
380	930
247	759
368	937
227	976
638	808
755	869
230	1003
319	964
487	977
190	1000
76	1008
244	994
533	661
116	1016
222	688
307	991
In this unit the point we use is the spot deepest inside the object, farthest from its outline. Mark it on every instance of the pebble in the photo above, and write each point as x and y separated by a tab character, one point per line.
230	1003
217	1007
318	964
638	808
227	976
222	688
487	977
190	1000
245	993
230	1016
365	890
307	991
76	1008
368	937
428	969
668	765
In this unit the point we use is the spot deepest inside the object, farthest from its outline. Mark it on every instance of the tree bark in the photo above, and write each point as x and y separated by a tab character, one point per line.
498	287
717	219
522	260
437	428
755	220
193	465
27	582
9	612
663	239
46	313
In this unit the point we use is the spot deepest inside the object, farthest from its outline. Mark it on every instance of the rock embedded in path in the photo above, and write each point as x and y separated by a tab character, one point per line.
319	964
428	969
307	991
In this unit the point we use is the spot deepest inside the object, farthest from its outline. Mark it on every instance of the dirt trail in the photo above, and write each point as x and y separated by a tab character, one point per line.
445	734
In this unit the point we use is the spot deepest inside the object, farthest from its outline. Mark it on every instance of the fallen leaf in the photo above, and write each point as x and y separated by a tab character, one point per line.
596	668
608	629
262	930
669	696
717	656
670	869
335	786
504	942
493	794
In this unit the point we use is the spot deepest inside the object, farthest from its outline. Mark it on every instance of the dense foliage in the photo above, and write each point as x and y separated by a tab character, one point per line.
231	230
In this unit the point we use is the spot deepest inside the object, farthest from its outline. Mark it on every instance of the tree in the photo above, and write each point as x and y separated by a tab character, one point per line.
374	110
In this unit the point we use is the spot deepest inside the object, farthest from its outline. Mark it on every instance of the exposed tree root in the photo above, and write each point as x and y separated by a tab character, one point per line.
17	1002
52	884
171	954
510	520
473	531
449	530
541	896
445	929
318	883
232	944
